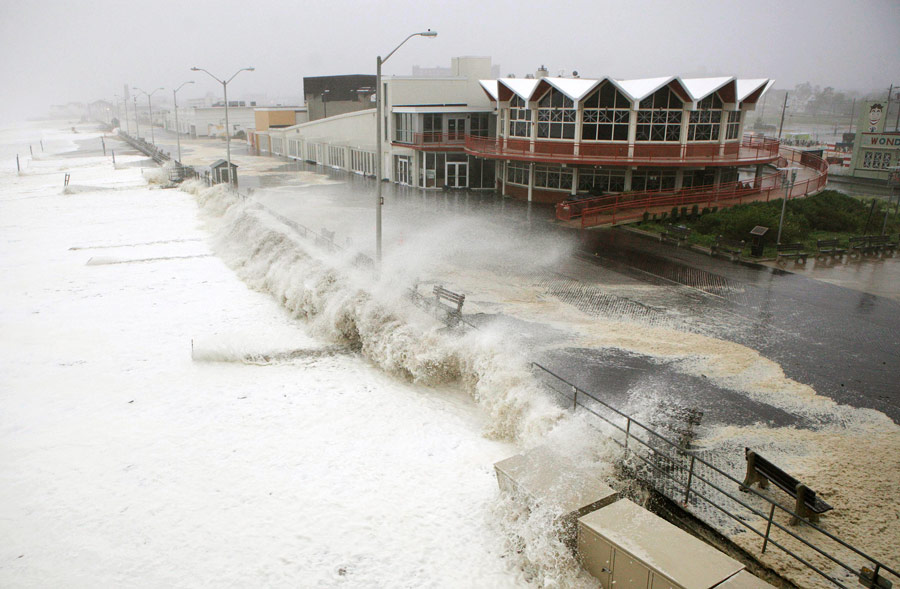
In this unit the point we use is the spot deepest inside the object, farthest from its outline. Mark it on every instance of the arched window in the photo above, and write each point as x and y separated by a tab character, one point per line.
704	122
556	116
659	117
606	115
519	118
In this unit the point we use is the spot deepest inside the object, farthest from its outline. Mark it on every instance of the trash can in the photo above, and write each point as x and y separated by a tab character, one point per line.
757	240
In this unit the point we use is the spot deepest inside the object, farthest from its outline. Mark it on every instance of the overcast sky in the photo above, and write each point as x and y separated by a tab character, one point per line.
54	51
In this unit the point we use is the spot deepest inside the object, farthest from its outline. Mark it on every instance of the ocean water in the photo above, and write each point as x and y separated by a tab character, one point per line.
165	421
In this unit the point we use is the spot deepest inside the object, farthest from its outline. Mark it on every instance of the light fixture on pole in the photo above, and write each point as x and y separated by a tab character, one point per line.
177	130
149	109
379	164
137	126
788	185
325	103
227	127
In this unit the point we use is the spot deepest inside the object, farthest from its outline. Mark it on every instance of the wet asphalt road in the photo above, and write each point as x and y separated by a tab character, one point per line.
844	343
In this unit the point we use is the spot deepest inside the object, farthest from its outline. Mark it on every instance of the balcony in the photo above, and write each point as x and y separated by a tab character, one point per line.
434	141
751	150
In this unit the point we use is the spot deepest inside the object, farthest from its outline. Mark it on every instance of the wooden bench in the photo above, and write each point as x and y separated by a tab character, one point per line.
829	247
442	294
790	251
881	244
760	470
733	248
860	246
678	233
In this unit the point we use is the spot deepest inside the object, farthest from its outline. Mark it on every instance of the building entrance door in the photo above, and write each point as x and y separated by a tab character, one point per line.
403	174
457	174
456	129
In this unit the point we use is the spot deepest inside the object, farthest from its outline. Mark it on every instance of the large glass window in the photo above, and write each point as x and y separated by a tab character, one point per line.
403	127
556	116
652	180
519	118
555	177
432	127
704	122
599	181
733	129
517	173
479	124
659	117
606	115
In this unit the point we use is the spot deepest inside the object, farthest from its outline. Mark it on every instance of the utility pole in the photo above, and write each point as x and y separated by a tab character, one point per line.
783	108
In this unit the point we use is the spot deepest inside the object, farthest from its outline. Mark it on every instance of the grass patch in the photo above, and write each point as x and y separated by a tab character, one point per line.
828	215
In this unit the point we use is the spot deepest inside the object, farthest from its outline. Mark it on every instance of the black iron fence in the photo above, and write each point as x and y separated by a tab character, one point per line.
710	488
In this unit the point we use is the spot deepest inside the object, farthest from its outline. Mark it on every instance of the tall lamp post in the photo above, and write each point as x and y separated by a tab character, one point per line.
325	103
177	129
149	109
137	126
790	176
379	107
227	127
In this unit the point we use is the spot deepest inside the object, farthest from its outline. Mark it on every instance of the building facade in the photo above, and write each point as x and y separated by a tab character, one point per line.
876	152
545	139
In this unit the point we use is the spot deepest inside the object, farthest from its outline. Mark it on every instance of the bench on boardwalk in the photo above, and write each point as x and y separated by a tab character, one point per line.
882	244
732	247
869	245
760	470
790	251
829	247
454	310
677	233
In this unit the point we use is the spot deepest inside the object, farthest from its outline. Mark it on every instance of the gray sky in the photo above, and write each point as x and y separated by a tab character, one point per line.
54	51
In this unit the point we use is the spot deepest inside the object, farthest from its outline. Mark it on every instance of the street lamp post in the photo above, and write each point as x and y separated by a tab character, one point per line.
379	107
149	110
227	127
137	126
177	129
788	185
325	103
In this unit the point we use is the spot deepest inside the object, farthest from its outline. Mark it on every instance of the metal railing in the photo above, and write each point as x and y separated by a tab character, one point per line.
697	484
751	149
629	207
426	141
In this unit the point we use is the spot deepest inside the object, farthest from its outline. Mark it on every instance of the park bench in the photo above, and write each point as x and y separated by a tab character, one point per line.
732	247
442	294
790	251
678	233
881	244
760	470
829	247
866	245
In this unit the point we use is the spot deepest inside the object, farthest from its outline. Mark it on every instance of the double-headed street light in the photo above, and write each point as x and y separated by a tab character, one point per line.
379	107
150	109
227	127
177	130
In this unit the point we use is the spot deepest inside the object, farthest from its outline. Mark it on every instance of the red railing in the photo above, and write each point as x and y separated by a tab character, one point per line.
752	149
427	141
629	207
